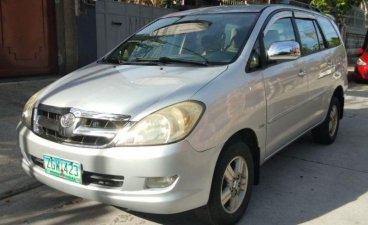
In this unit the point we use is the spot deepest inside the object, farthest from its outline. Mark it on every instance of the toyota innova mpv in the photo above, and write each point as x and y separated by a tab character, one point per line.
182	114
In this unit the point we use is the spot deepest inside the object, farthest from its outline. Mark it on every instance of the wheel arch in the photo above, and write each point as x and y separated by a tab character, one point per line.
249	137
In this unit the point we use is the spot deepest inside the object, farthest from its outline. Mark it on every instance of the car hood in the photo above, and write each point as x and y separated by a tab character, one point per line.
127	89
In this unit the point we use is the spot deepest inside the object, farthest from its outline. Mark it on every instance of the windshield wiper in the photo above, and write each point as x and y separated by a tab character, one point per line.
167	60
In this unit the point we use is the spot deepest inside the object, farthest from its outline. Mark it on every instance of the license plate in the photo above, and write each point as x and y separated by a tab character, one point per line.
63	168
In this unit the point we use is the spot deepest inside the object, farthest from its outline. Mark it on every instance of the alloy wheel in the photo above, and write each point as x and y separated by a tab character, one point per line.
234	184
334	117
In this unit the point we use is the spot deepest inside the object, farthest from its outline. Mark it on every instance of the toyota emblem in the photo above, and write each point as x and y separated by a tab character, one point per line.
67	120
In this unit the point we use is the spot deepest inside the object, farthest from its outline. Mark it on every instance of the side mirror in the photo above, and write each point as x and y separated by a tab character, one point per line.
360	51
284	50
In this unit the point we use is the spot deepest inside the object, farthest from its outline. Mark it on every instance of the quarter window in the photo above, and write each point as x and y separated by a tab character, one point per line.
308	36
254	61
332	38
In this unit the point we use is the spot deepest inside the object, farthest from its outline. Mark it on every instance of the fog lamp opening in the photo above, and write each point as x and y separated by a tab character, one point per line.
160	182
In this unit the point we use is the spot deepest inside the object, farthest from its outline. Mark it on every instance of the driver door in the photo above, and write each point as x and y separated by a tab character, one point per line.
286	87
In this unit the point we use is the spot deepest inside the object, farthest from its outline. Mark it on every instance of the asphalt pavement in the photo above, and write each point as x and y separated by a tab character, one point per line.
305	183
13	96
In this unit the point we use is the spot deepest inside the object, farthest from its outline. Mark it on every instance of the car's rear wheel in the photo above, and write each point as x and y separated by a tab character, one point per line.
326	132
231	186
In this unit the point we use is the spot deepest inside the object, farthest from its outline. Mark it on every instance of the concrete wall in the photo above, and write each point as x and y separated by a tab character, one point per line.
115	21
87	31
66	36
87	41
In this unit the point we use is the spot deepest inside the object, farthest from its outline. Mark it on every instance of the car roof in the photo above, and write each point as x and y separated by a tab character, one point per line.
221	9
237	9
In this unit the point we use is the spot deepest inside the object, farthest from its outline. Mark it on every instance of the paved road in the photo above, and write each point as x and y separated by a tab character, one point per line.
13	96
304	184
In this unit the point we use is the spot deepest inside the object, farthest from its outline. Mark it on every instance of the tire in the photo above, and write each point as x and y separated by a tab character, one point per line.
326	132
228	185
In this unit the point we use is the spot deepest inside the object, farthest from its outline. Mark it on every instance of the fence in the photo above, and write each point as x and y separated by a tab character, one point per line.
115	21
356	28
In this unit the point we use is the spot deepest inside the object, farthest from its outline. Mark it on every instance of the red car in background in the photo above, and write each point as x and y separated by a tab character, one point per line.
361	66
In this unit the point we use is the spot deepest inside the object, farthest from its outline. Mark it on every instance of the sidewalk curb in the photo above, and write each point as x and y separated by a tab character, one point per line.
19	80
25	82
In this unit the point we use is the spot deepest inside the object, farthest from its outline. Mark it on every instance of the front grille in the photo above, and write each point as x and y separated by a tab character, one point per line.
92	178
86	129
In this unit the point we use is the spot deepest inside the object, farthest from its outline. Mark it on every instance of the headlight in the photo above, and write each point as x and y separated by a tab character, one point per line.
361	62
165	126
27	111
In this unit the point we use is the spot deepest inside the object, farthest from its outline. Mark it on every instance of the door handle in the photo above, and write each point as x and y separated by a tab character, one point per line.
302	73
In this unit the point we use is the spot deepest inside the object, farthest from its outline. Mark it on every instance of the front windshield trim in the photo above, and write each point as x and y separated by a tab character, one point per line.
178	21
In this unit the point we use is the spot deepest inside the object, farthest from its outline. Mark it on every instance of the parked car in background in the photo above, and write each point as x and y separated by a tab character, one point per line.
182	114
361	66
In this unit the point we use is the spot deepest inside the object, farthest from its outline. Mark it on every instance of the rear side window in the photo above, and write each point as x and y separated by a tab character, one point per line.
308	36
332	38
320	38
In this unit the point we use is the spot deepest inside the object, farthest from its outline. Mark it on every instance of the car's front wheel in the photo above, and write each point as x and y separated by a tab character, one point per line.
231	186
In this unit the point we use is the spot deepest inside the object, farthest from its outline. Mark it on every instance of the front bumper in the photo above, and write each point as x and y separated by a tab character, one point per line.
191	189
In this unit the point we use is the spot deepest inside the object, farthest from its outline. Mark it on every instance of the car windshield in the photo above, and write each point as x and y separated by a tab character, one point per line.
195	39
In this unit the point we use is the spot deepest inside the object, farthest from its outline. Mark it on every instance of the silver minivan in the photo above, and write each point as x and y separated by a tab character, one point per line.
182	114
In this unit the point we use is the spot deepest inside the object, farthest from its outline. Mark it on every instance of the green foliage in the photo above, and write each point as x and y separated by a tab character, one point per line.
321	5
337	8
